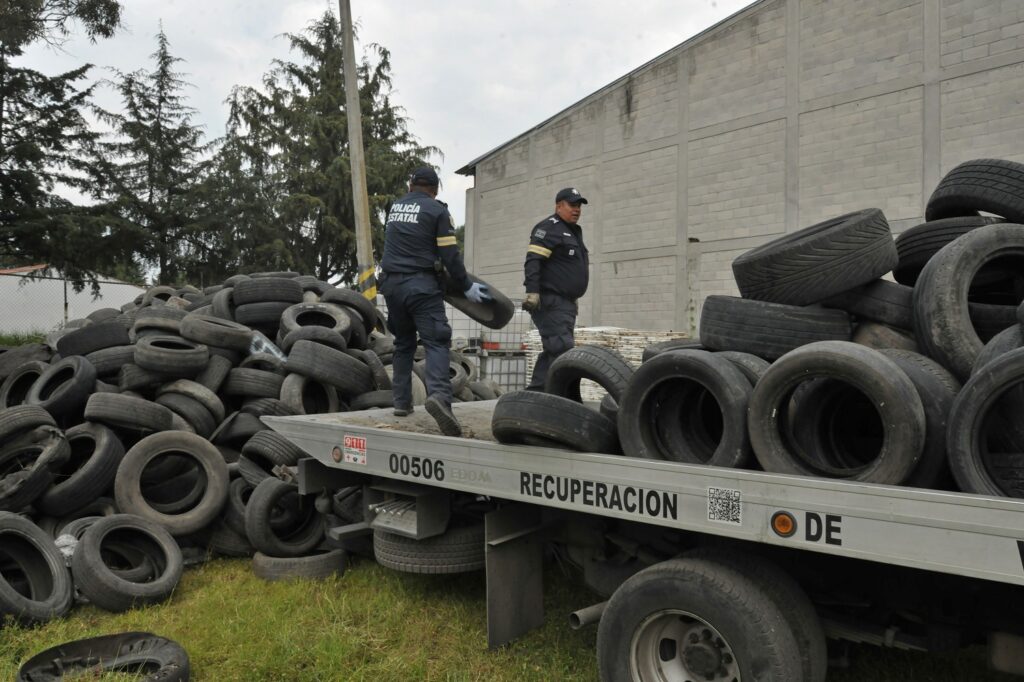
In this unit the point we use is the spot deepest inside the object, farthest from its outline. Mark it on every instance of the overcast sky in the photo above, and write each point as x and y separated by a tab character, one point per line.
470	75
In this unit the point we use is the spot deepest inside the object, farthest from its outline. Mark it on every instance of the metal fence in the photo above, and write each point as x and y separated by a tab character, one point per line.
40	304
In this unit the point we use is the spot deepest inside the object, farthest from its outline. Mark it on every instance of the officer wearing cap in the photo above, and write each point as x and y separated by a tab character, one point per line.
419	236
557	273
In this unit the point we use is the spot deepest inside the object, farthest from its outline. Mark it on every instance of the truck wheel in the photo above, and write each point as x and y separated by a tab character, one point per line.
695	619
459	550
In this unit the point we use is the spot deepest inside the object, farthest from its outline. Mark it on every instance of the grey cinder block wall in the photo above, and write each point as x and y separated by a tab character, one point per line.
785	114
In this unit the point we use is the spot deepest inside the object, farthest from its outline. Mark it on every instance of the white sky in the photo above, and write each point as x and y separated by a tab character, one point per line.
470	75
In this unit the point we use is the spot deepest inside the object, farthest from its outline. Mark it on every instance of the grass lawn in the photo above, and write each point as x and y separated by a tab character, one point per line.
12	340
375	624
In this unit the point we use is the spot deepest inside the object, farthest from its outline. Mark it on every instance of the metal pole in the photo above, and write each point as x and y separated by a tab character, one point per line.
360	200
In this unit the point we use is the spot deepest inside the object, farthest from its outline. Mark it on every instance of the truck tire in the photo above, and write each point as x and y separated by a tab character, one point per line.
695	619
887	387
642	421
552	417
161	659
942	320
109	591
601	365
46	592
316	566
460	549
819	261
767	330
991	185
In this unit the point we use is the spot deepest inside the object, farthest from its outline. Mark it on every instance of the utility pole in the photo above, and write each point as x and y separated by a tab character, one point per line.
360	200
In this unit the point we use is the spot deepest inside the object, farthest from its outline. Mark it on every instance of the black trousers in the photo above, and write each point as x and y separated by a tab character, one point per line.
555	320
416	305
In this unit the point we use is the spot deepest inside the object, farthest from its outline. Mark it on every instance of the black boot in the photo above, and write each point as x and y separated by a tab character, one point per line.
441	411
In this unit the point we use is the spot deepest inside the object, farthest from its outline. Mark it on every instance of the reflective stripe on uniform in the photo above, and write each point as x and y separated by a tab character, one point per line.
539	250
446	241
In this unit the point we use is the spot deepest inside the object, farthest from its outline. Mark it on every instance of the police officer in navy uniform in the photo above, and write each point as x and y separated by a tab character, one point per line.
557	273
419	237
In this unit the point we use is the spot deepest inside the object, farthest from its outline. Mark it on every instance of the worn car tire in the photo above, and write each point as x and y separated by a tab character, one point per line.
553	417
48	591
460	549
604	366
991	185
316	566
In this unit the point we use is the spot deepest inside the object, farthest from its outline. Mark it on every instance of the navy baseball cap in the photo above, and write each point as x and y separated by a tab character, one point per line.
570	194
424	176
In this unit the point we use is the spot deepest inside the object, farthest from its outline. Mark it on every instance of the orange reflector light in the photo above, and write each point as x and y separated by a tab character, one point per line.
783	523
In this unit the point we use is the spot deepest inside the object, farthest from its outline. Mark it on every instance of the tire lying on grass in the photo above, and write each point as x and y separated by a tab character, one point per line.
316	566
35	586
140	653
105	588
877	381
553	418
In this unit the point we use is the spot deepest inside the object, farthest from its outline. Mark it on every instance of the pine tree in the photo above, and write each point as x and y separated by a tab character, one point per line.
289	144
46	143
150	170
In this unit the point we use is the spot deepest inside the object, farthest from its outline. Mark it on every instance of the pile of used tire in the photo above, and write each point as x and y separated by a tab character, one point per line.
131	442
823	368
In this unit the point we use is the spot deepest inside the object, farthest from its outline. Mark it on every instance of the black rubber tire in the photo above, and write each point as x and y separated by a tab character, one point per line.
918	244
938	389
128	483
21	418
989	319
460	549
494	314
880	301
215	373
161	659
112	592
358	336
252	383
277	274
605	366
879	378
991	185
880	336
103	315
380	375
354	300
269	449
157	293
15	388
347	374
198	392
128	412
322	335
192	411
92	338
28	465
14	358
317	566
303	395
941	314
975	469
819	261
794	604
324	315
767	330
266	289
109	361
372	400
211	330
131	377
64	387
752	367
264	316
482	390
553	417
642	420
1003	342
47	592
95	454
171	355
671	344
265	362
298	540
751	624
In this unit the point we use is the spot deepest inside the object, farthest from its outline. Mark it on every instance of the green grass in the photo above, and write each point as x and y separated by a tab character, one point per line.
20	339
375	624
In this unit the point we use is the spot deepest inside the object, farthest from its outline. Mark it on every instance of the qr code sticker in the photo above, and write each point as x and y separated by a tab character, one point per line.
724	505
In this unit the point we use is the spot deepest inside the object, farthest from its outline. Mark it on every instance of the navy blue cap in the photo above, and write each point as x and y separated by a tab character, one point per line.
424	176
570	194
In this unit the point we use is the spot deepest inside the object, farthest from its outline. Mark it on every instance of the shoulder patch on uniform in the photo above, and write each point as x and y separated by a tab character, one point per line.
553	219
539	233
451	219
567	234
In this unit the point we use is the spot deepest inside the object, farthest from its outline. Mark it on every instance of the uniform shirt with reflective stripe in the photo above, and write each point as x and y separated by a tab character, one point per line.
557	260
418	231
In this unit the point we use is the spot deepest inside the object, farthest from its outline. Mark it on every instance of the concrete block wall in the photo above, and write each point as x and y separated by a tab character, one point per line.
788	113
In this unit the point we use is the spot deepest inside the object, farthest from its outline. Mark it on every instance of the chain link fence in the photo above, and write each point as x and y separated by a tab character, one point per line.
41	304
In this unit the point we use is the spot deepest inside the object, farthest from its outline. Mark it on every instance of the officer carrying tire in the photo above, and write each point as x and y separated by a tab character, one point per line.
419	239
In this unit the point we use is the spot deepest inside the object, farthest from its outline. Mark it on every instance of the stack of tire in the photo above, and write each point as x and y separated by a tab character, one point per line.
824	368
138	445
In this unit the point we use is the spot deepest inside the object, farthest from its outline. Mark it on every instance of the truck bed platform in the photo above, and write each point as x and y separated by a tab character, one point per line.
955	533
